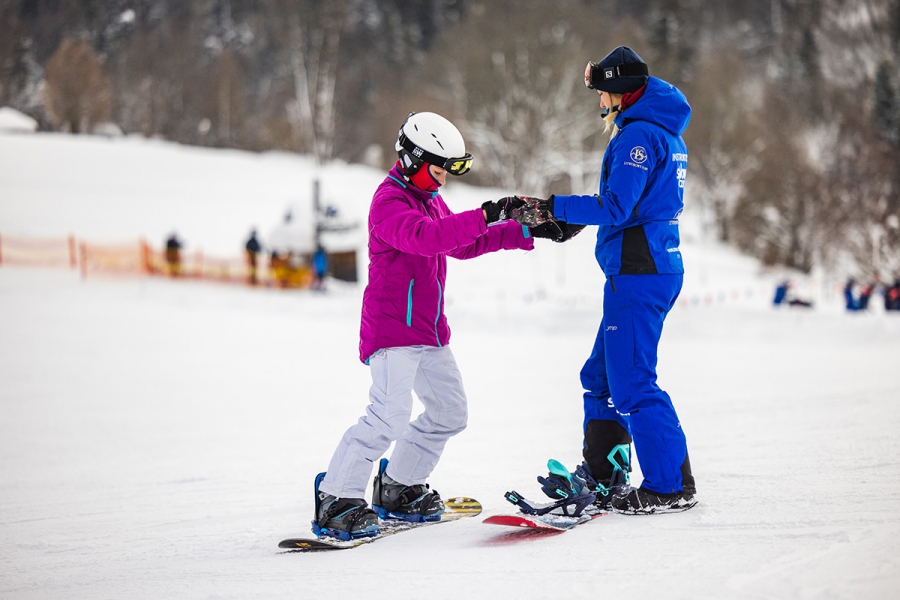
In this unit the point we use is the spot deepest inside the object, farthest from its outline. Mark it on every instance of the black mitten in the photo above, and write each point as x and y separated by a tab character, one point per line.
558	231
501	209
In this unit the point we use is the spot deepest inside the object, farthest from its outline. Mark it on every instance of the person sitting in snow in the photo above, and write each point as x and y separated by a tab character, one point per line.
404	334
784	295
781	292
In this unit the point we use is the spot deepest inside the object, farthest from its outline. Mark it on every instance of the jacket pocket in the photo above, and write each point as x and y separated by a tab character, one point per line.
409	303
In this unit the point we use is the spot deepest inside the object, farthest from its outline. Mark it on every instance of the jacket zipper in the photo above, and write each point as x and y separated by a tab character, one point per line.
438	317
409	303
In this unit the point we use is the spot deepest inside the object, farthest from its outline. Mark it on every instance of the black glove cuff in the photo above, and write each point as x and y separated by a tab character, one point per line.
491	210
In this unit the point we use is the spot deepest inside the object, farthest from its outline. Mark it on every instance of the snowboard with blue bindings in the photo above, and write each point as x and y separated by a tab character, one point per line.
547	522
572	504
454	509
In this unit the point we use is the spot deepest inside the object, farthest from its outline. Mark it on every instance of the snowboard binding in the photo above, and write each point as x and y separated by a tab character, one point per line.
570	494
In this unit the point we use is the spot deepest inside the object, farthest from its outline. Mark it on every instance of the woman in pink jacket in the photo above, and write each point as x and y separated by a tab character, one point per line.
404	334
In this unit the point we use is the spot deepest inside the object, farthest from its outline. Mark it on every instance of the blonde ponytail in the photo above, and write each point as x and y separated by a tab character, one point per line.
610	118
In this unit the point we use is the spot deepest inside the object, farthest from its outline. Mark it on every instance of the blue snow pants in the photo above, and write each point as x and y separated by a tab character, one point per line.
620	376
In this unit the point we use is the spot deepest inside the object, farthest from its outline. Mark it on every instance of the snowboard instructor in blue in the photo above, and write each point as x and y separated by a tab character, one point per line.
637	208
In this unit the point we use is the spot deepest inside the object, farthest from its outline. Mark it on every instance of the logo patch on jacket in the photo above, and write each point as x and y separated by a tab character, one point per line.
638	155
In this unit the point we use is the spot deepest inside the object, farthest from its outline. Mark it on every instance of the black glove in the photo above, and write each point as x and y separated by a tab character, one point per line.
501	209
535	211
558	231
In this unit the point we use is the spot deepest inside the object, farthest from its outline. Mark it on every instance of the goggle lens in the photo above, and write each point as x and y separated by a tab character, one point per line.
459	166
589	71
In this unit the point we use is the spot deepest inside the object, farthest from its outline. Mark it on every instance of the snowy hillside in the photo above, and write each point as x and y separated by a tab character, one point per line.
158	437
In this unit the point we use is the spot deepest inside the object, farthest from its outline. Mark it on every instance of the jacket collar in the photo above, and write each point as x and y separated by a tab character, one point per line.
400	179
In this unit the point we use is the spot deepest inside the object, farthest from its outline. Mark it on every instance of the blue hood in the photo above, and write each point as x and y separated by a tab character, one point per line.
662	104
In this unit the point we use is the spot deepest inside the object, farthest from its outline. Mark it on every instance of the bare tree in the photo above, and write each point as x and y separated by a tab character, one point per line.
725	136
520	99
78	93
314	38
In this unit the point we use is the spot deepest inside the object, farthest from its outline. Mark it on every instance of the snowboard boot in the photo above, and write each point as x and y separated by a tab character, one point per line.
343	518
570	493
617	483
414	503
640	501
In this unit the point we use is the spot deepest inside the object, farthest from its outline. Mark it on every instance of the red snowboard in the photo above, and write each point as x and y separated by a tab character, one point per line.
541	522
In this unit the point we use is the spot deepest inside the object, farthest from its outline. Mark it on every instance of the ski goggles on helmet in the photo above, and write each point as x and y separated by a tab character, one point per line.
595	75
454	166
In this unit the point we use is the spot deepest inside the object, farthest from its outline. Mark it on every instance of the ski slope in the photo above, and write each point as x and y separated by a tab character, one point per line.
159	437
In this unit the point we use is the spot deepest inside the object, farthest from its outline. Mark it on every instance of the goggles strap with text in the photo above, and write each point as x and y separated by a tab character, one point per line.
594	74
454	166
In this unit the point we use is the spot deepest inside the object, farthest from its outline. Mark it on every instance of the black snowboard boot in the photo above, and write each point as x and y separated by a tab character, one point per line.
393	500
638	501
343	518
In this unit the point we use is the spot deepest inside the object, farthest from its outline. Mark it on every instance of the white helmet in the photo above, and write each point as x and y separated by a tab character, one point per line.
430	138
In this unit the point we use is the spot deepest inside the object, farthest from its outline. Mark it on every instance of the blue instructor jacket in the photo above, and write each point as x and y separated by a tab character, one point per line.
641	187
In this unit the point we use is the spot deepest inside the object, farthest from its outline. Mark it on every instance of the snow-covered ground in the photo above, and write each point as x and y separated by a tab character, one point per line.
158	438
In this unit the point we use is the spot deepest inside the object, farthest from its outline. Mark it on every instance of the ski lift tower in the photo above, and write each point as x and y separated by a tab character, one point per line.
342	265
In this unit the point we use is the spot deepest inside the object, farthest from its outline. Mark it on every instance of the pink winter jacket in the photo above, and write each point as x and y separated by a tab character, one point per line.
411	233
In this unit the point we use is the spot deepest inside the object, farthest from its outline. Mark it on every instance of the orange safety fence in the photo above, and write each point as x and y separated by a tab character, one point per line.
46	252
140	258
195	265
111	259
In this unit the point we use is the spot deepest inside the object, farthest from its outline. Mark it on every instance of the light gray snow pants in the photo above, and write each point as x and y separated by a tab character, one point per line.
396	372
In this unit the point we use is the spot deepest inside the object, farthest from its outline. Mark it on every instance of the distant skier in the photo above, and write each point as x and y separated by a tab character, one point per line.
404	334
173	254
892	296
320	267
865	293
252	248
637	208
850	301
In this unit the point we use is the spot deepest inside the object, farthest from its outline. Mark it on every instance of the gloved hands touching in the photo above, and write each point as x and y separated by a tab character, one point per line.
533	211
501	209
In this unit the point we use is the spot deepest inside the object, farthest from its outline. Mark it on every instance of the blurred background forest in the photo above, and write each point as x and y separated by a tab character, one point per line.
794	140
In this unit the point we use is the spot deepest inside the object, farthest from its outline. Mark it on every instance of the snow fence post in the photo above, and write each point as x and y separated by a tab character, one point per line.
73	255
83	261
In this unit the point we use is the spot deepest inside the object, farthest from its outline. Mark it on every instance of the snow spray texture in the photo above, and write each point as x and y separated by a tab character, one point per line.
641	187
